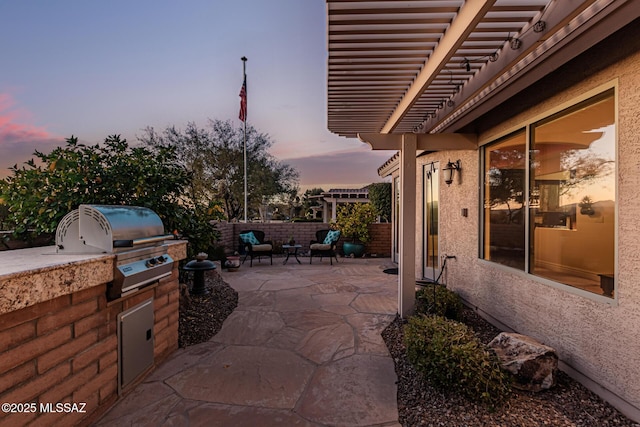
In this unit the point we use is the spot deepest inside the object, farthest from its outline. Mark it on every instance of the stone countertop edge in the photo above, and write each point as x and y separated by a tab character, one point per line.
34	275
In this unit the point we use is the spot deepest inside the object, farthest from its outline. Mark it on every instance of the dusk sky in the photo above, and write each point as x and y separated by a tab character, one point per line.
96	68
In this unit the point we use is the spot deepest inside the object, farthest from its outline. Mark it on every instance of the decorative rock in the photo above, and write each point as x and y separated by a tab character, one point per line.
533	364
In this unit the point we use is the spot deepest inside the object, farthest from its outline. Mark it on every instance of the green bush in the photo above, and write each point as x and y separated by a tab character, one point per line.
449	354
447	303
353	221
380	198
37	195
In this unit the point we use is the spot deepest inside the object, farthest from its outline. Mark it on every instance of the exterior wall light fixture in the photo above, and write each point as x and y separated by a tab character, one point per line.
450	170
539	26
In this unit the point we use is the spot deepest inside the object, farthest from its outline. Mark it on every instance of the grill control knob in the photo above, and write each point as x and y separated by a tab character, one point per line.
151	262
161	259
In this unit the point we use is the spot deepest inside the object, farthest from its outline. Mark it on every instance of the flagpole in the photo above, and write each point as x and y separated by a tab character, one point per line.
244	73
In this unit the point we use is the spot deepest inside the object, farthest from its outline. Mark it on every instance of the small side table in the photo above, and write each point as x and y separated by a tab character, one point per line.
288	248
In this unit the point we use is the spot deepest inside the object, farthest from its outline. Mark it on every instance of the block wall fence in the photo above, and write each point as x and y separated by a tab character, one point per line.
302	232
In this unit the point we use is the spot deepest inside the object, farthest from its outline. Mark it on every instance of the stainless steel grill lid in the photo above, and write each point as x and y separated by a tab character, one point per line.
106	228
134	234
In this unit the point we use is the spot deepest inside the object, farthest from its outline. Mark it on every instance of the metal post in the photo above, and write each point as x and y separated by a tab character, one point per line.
244	74
407	264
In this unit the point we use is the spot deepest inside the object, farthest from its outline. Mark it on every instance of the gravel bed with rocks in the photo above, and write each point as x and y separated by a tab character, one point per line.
201	316
568	403
419	404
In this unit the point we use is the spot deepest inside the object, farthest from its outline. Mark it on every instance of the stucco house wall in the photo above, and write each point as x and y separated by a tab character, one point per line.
598	342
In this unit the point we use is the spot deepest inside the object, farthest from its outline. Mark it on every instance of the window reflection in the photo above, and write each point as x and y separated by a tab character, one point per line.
572	197
505	165
570	192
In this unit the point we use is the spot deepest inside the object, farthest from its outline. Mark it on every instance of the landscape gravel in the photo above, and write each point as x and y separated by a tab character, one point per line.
419	404
201	316
568	403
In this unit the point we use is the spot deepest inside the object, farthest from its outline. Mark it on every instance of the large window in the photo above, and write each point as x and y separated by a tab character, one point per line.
570	193
504	195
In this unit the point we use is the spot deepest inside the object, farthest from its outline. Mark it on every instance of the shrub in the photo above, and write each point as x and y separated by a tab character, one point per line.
354	219
380	198
451	357
447	303
39	194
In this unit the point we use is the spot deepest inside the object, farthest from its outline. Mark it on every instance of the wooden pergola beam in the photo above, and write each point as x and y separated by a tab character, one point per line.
425	141
470	14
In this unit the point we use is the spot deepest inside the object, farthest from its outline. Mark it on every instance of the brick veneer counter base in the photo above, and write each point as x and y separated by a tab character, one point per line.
58	340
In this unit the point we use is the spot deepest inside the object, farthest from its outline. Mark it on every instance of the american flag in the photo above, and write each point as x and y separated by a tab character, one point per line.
243	101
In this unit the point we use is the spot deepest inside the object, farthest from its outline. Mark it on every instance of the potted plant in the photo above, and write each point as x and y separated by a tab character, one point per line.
586	207
353	221
232	262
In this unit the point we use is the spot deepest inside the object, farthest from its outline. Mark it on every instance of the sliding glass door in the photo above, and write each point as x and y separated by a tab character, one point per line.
431	258
396	219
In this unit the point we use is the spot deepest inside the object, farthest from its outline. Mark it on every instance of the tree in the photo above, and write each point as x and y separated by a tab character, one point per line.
215	158
38	195
506	182
354	219
284	206
506	187
585	169
308	201
380	198
294	203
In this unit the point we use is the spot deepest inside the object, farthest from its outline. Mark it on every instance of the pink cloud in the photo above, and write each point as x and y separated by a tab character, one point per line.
15	131
11	127
18	139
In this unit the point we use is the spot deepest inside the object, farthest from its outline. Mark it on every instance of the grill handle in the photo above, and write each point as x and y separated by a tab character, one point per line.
142	241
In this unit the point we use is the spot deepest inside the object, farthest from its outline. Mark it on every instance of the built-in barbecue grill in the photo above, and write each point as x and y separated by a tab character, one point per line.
134	234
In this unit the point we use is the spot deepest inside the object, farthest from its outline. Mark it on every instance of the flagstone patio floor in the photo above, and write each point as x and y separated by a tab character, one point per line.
303	348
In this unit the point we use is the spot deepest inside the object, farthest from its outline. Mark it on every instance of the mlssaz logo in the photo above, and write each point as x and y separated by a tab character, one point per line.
65	407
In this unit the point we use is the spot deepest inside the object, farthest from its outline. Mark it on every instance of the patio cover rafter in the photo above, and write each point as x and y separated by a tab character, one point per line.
470	69
471	13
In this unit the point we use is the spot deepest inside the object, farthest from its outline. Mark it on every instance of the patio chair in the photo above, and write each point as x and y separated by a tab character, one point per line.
253	245
325	245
